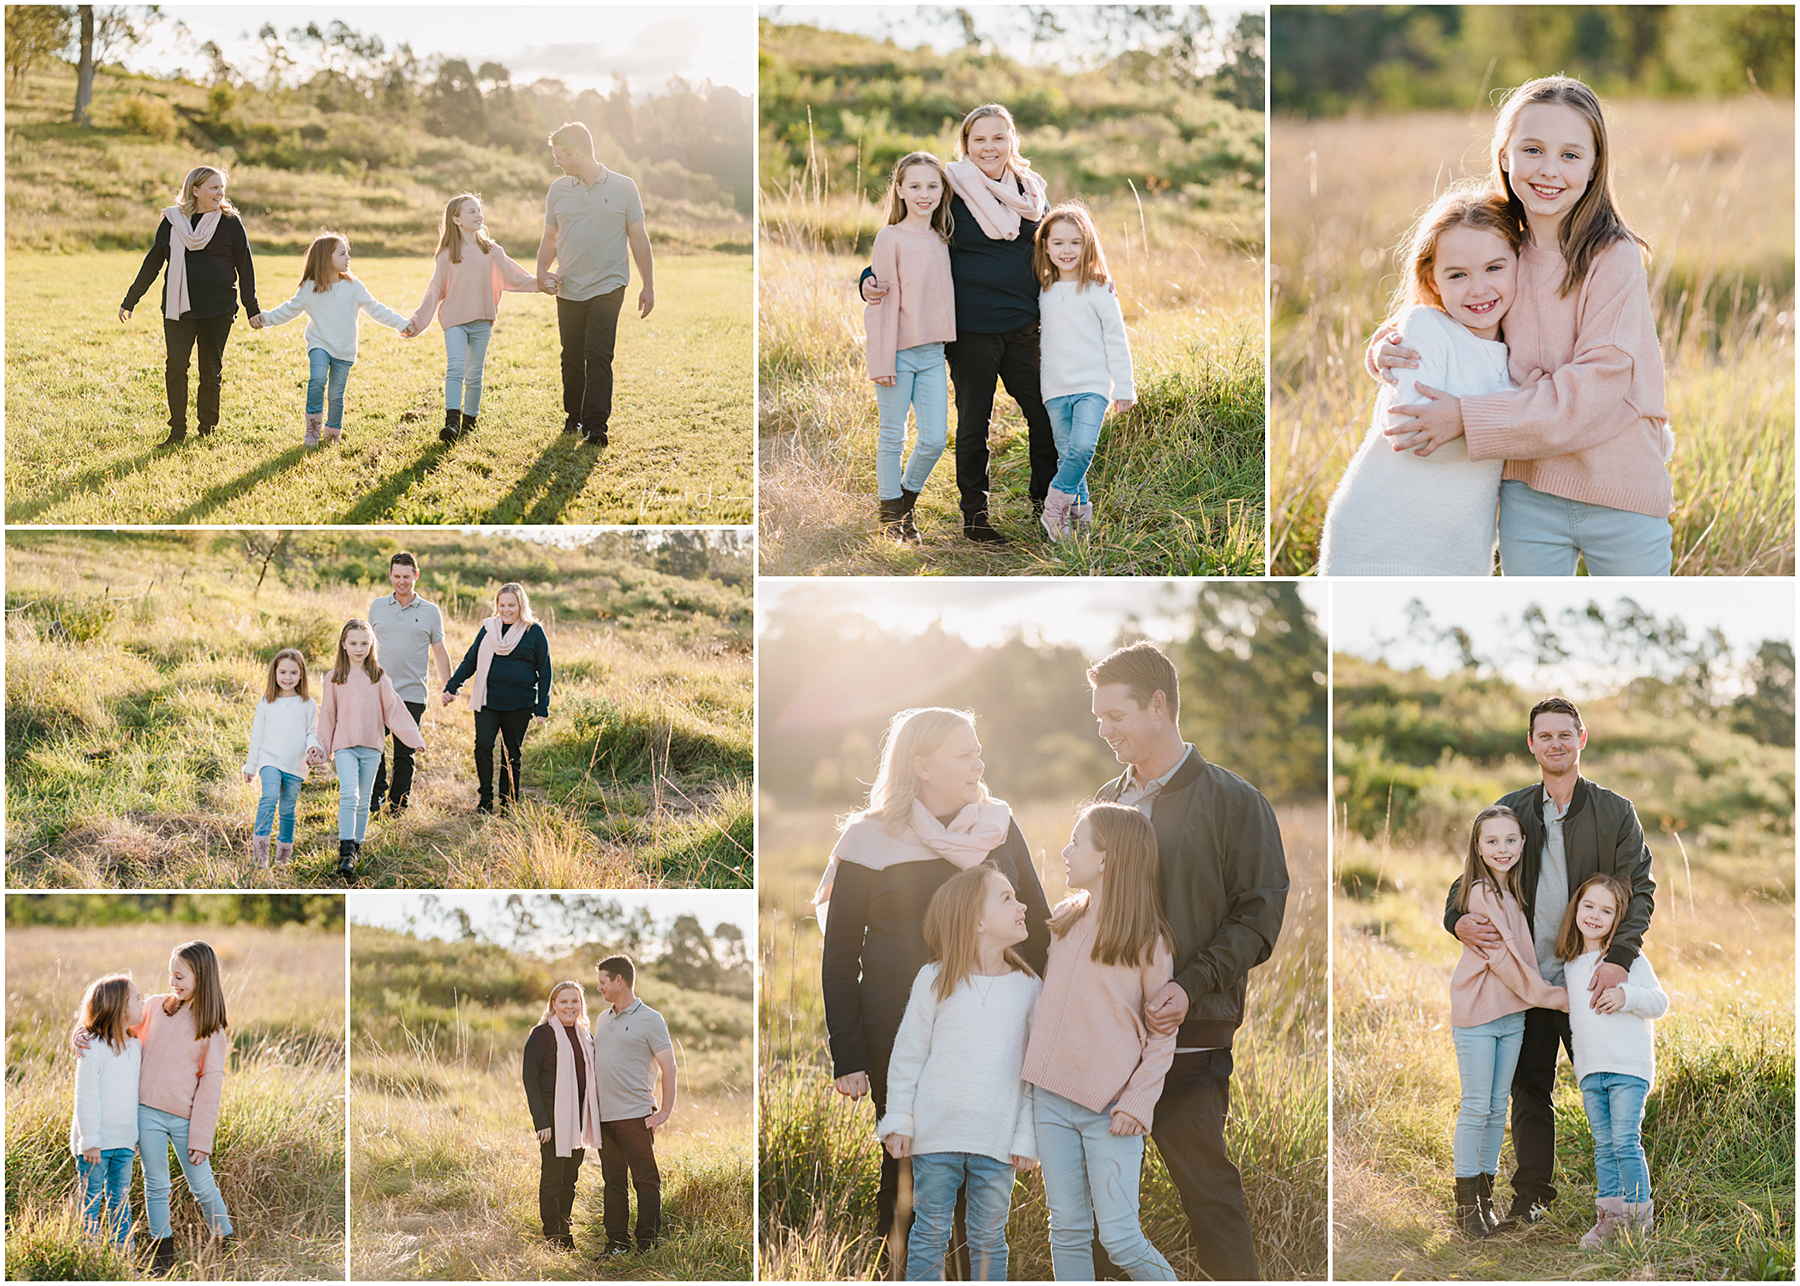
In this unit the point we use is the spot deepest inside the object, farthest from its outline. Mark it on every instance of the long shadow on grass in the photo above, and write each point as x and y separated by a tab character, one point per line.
244	483
556	480
87	483
380	502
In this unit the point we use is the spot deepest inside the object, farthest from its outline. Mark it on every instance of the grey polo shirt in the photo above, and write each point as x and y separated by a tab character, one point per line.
1552	893
625	1049
403	639
591	220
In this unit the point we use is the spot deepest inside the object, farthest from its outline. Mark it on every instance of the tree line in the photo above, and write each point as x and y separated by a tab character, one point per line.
86	910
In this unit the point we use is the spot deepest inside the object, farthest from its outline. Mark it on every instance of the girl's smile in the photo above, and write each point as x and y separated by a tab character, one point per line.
1501	844
1550	160
181	979
1476	275
357	644
921	189
134	1007
1063	244
468	217
1596	915
1003	915
287	675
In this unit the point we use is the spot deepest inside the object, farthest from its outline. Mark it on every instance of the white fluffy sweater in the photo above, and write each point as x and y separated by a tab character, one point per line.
106	1097
331	315
1622	1042
1083	347
280	734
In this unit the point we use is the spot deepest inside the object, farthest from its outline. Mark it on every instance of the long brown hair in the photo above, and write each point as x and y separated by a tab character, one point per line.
1475	871
1090	269
318	268
909	734
451	236
1131	920
208	1001
272	689
103	1008
1568	937
941	222
950	927
1595	222
1467	205
340	671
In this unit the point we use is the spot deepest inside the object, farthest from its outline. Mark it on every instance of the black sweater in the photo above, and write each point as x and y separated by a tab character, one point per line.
540	1075
520	680
996	289
213	273
875	944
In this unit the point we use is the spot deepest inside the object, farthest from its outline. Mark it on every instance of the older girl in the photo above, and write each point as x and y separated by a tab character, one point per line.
202	240
563	1092
284	740
103	1129
359	708
509	665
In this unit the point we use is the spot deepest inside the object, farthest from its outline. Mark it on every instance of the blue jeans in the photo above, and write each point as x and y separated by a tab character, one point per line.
1091	1178
465	353
919	382
106	1185
1075	422
356	783
1486	1056
1615	1113
1542	535
936	1178
157	1131
328	377
278	788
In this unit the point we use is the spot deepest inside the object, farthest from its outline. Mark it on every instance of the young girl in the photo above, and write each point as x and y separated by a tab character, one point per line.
1097	1069
1488	1000
907	331
1586	434
467	280
330	298
1615	1055
956	1102
1459	277
103	1130
358	708
1084	358
284	741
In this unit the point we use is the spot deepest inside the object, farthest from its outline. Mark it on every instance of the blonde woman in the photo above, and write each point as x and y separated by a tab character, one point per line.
202	240
509	665
565	1104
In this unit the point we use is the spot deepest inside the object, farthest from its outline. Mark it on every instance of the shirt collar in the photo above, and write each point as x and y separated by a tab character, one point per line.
1132	783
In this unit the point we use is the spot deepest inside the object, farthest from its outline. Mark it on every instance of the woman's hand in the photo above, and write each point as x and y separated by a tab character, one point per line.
256	322
197	1157
544	1136
1123	404
91	1156
1124	1123
899	1145
124	314
1024	1165
540	719
1423	427
886	381
873	291
449	697
1392	356
855	1085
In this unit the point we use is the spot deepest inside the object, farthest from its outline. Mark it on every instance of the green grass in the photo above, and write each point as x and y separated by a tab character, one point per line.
819	1156
279	1155
86	408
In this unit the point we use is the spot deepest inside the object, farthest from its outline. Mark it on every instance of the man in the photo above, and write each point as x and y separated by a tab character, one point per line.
1573	828
590	216
408	630
1222	882
631	1044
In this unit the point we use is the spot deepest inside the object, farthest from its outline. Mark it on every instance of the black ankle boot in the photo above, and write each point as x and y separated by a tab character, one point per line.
976	528
889	515
176	437
162	1255
909	531
468	423
1468	1208
452	425
1497	1221
346	866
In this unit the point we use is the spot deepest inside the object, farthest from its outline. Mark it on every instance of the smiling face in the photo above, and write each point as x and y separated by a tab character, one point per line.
612	988
340	258
209	194
921	189
1002	922
1476	275
506	603
1556	743
468	216
287	674
357	643
1501	844
950	776
1134	732
1063	242
1595	914
134	1007
567	1006
181	979
989	143
403	578
1550	161
1083	864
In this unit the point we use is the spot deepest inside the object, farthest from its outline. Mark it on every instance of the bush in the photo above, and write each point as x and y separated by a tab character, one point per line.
144	114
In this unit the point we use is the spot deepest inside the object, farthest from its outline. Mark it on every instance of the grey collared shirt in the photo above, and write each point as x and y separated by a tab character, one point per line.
1141	795
591	222
1552	893
626	1044
403	639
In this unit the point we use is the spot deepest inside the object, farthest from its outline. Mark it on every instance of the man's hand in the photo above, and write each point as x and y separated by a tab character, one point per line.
899	1145
1166	1008
1476	932
1607	976
873	291
1124	1123
646	300
855	1085
656	1118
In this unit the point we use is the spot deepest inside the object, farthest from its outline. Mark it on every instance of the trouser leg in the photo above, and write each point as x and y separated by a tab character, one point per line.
1019	371
597	358
1190	1135
178	340
1533	1116
975	370
487	728
513	724
213	333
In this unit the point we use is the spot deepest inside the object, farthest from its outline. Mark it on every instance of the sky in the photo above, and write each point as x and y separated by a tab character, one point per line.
709	906
582	45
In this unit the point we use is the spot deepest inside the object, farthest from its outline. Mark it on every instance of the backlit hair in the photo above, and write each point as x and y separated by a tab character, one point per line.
619	967
1145	671
1475	871
199	174
1595	222
1464	206
451	235
208	1000
340	671
573	136
319	269
1568	937
1012	130
941	223
272	689
517	590
1131	919
405	560
951	933
1553	705
103	1009
1090	269
557	990
909	734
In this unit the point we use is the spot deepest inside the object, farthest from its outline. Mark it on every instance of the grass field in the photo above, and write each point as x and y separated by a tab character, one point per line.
85	408
124	738
819	1153
1709	185
279	1155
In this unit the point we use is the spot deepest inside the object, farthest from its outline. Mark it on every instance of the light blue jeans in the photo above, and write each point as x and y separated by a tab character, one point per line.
157	1132
279	790
1542	535
1091	1178
1075	423
921	383
936	1178
1615	1113
465	353
106	1185
1486	1057
356	767
327	379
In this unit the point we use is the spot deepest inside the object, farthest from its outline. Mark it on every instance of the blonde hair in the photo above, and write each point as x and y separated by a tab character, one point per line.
103	1008
517	590
1131	919
451	236
557	990
1569	942
340	670
1475	871
319	269
208	1000
272	689
951	932
1012	130
909	734
941	222
1090	269
196	176
1467	205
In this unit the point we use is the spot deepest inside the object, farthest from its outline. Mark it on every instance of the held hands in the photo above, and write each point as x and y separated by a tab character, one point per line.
646	300
1478	934
407	331
314	757
874	291
900	1145
1124	1123
1426	426
544	1136
855	1085
1024	1165
256	322
1123	405
1610	1001
449	697
549	283
1166	1008
1606	980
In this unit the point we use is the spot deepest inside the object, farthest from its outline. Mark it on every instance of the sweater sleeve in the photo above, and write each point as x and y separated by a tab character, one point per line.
246	268
1515	963
87	1101
1644	994
466	670
1256	878
1024	1141
434	293
881	322
257	726
378	310
204	1120
543	1115
327	725
291	309
840	968
1144	1087
543	671
154	259
397	717
912	1045
1116	342
511	275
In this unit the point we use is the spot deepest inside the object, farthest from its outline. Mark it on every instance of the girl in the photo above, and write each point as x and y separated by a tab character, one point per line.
1614	1048
202	240
103	1130
1097	1069
956	1102
563	1092
1585	435
283	743
907	331
1488	1000
330	298
1085	357
509	662
1459	275
359	705
469	276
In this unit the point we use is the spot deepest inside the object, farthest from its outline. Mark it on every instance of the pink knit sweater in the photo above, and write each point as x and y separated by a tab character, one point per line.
1089	1042
180	1074
470	290
1508	981
920	307
359	713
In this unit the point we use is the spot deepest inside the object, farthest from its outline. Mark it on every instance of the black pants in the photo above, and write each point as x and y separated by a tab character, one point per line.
887	1192
556	1188
210	333
1533	1117
509	725
627	1147
977	364
401	791
588	328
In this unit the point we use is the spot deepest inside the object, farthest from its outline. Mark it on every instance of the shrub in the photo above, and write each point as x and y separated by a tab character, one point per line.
145	114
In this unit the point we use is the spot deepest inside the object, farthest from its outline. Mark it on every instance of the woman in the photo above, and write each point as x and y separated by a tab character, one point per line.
565	1105
929	816
996	202
510	663
202	240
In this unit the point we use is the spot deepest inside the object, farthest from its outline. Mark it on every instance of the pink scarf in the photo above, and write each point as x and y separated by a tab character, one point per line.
998	205
972	834
183	238
572	1134
494	642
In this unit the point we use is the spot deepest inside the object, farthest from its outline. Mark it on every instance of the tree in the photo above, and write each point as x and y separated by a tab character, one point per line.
105	31
84	69
34	32
1242	78
687	959
683	553
1766	710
